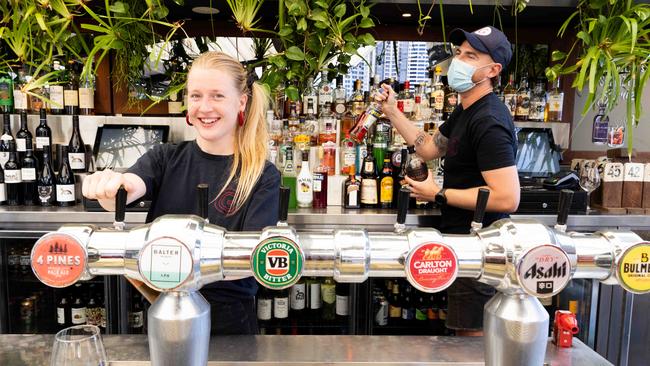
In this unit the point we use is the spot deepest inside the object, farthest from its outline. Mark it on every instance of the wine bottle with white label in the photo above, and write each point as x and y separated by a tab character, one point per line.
43	132
76	148
22	136
13	178
6	137
46	179
65	195
28	168
56	90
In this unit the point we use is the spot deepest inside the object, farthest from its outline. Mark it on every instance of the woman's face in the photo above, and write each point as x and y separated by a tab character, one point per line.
213	106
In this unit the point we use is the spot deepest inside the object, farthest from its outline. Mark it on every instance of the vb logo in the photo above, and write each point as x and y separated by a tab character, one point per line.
277	262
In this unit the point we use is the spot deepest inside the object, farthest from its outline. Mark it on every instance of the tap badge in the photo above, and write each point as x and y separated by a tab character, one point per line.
277	262
634	268
431	267
544	271
58	260
165	263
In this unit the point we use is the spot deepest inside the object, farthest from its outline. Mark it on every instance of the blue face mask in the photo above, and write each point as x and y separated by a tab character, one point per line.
460	75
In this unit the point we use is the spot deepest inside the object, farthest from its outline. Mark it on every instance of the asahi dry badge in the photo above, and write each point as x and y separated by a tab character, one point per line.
277	262
544	271
165	263
58	260
431	267
634	268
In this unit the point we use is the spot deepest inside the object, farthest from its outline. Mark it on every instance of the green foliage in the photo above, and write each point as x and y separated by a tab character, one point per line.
613	53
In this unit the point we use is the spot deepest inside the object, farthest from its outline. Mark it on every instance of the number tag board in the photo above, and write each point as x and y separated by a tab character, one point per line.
614	172
634	172
576	164
646	173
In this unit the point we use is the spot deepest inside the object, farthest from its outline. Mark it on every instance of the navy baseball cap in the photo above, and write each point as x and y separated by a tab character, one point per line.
487	40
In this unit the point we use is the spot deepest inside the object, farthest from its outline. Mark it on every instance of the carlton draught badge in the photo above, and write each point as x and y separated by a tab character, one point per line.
431	267
277	262
58	259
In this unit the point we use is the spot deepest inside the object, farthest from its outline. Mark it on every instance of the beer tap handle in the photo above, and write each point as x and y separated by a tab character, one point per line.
284	205
202	197
120	208
402	208
481	205
566	198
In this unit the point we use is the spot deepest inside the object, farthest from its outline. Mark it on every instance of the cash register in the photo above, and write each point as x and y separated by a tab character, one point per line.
541	176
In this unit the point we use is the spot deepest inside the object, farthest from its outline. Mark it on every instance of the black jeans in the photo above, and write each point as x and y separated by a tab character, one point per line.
231	318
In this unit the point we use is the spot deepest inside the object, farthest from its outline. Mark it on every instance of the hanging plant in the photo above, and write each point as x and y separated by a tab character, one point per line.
612	50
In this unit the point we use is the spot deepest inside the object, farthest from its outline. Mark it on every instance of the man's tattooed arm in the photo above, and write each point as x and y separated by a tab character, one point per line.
440	141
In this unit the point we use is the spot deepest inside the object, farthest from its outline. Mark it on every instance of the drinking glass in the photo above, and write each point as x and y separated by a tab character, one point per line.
616	135
80	345
589	179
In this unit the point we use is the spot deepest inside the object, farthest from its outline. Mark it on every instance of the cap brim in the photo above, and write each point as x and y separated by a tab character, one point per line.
458	36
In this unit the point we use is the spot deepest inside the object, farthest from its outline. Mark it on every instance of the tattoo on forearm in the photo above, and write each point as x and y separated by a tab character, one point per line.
419	138
440	141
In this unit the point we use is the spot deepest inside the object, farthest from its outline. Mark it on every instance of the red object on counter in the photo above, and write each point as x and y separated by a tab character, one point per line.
564	327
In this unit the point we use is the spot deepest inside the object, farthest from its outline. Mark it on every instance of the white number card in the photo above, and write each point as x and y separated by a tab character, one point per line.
613	172
634	172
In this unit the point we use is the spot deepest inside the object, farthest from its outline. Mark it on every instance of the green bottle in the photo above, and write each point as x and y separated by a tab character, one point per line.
289	177
6	93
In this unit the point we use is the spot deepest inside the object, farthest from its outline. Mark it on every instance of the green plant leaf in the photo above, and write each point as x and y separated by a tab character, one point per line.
118	7
295	53
319	16
160	12
367	39
339	10
584	36
367	23
285	31
292	92
322	4
179	2
302	25
557	55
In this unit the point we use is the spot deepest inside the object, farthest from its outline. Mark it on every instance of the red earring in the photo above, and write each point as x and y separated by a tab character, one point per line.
241	118
187	120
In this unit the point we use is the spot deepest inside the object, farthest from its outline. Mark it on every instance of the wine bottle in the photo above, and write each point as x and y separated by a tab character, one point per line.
13	178
63	316
76	148
28	168
43	132
343	303
6	137
6	93
3	189
264	309
87	94
22	136
46	179
56	91
328	293
65	195
20	97
71	90
78	307
281	310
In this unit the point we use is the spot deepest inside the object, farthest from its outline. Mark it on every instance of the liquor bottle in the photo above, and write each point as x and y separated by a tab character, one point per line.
432	314
310	96
357	103
320	182
510	95
25	261
13	260
407	99
289	177
327	126
87	93
366	120
264	309
451	100
369	191
348	154
399	162
13	177
305	183
65	194
351	188
27	315
343	304
442	312
46	179
324	91
437	100
362	152
57	101
421	309
76	148
43	132
314	303
36	99
293	103
63	312
93	310
136	315
380	143
28	169
71	89
20	97
600	126
408	305
394	306
537	102
5	139
310	127
339	98
498	89
78	307
3	188
386	185
6	93
298	303
328	294
523	99
281	310
416	168
22	136
555	103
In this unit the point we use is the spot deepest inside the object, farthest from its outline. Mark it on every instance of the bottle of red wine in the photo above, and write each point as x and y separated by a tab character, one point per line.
7	136
43	132
76	148
46	179
28	168
13	177
3	189
65	181
22	136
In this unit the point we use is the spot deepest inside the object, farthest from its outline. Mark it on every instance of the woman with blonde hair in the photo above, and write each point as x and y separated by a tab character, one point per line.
227	110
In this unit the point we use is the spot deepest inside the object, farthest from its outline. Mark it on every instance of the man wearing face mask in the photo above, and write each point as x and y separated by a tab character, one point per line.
479	144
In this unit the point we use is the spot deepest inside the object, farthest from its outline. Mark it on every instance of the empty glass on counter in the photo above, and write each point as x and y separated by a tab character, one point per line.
589	179
80	345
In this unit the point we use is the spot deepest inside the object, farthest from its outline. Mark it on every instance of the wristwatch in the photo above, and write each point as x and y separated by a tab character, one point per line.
441	198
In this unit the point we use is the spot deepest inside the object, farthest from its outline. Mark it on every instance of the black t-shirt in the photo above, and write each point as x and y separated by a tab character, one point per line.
481	138
171	174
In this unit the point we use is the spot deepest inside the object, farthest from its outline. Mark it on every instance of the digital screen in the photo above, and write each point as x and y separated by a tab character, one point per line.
537	155
120	146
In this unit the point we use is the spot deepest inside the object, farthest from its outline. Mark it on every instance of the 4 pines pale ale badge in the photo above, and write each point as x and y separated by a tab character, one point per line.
58	259
634	268
543	271
277	262
165	263
431	267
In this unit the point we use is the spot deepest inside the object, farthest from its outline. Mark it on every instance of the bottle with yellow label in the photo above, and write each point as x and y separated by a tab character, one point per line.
386	185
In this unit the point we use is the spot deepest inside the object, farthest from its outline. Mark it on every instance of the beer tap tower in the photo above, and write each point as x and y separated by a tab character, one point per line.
178	254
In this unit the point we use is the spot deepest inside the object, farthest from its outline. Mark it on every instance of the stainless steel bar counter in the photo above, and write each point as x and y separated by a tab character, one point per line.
132	350
51	218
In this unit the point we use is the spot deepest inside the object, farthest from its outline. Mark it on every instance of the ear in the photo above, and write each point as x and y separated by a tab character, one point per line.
495	70
242	102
